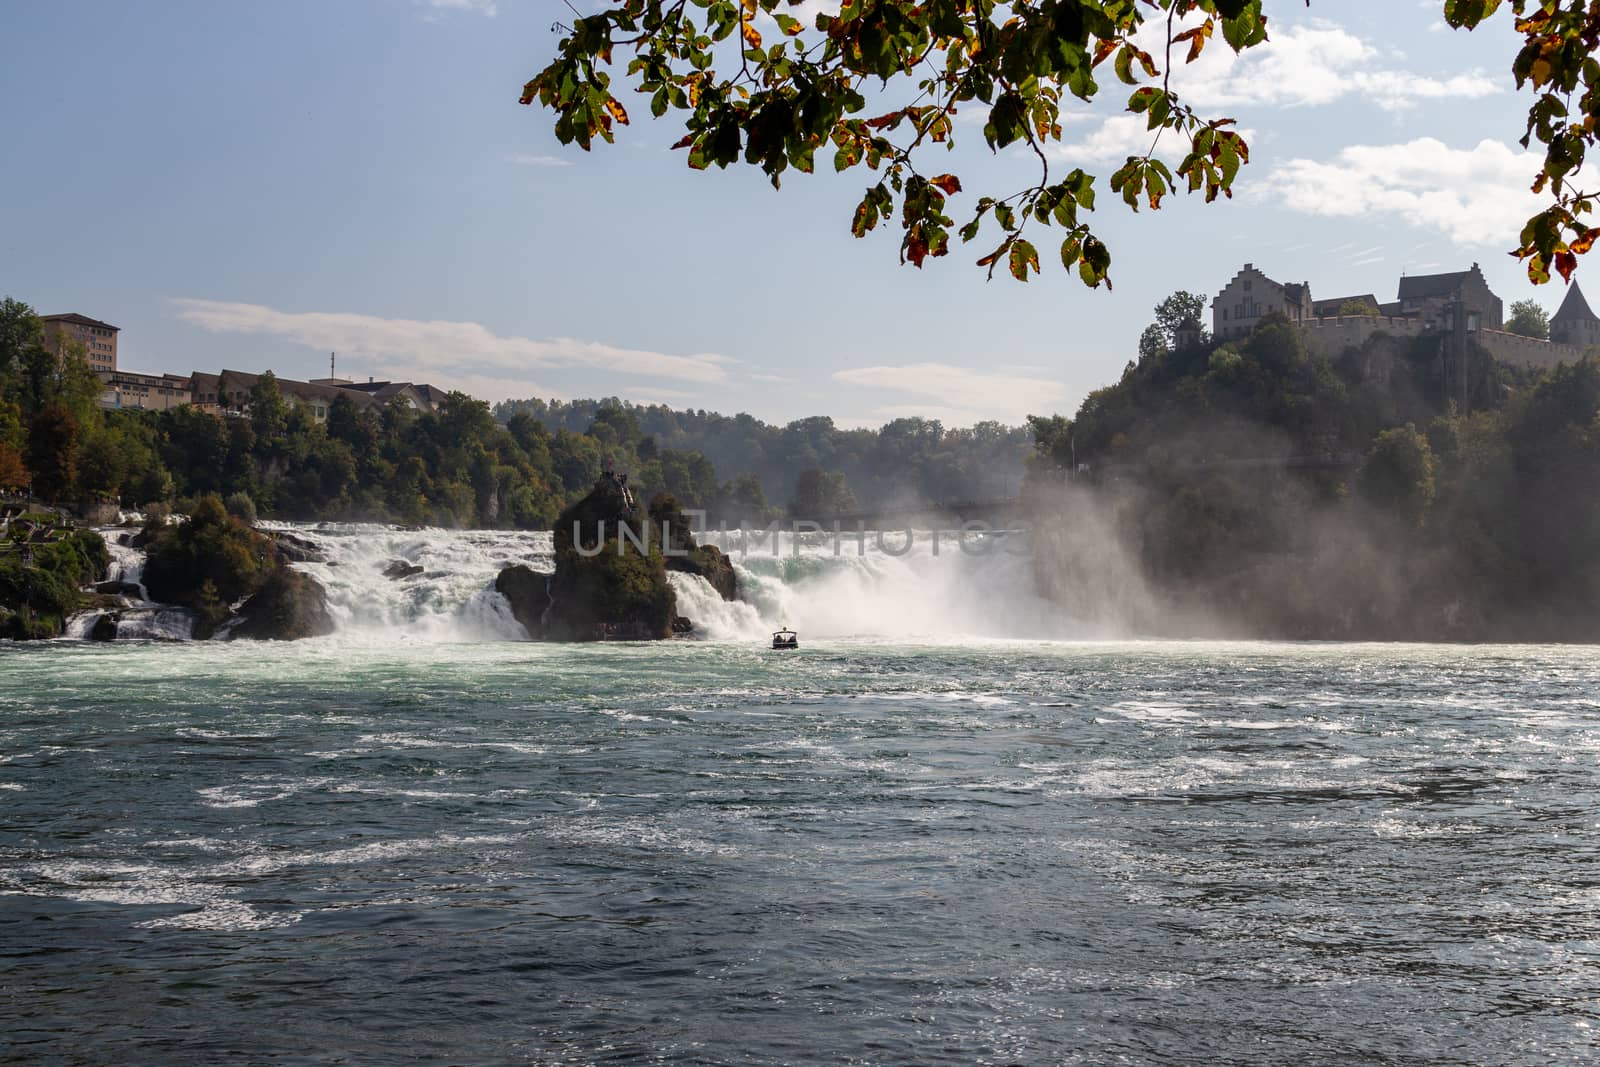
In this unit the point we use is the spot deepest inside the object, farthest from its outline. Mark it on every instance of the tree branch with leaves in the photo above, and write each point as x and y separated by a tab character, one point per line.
781	103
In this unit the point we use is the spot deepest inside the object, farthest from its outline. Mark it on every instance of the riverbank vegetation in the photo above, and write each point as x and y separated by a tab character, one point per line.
42	582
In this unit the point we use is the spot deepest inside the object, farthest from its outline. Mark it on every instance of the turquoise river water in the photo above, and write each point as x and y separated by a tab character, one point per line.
401	845
870	852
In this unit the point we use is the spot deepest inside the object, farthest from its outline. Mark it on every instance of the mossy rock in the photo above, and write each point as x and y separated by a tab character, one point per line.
211	559
526	590
606	586
683	554
288	607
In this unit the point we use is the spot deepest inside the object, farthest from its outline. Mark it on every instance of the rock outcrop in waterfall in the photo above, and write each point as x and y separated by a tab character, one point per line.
611	564
214	561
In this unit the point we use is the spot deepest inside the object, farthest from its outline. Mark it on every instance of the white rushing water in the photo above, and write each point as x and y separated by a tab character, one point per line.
141	619
452	598
825	586
872	585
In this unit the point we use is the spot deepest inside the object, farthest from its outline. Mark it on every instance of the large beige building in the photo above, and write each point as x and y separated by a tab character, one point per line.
99	339
1251	296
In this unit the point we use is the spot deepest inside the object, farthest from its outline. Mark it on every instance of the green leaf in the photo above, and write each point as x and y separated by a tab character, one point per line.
1023	256
1468	13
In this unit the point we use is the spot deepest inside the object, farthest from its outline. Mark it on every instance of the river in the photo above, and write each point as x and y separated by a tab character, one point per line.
949	829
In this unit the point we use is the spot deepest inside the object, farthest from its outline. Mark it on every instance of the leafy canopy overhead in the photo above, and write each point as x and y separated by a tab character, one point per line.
755	82
1557	63
778	102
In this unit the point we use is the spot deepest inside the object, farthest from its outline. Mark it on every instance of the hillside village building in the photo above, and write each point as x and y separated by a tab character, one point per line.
99	339
217	394
150	392
228	393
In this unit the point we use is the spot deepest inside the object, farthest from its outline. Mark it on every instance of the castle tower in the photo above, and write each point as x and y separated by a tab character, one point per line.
1188	334
1574	323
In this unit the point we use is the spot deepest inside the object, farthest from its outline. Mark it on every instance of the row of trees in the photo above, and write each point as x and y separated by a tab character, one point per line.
453	467
460	466
906	461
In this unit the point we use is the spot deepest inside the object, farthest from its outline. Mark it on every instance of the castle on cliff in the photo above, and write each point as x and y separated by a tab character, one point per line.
1455	307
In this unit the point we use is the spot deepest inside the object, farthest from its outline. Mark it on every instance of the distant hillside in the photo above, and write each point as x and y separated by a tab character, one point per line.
904	461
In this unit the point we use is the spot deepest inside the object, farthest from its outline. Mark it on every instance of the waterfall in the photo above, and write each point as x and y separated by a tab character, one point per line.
140	618
452	598
928	586
893	585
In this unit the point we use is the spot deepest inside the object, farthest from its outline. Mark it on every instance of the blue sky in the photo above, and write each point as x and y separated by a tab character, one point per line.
251	186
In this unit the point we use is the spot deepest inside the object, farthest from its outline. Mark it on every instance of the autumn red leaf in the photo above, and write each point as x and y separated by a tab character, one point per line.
916	247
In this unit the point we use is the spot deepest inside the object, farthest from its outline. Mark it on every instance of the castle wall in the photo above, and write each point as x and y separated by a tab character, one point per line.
1330	337
1522	351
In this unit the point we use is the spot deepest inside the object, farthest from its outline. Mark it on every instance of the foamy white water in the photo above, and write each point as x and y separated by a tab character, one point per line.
882	586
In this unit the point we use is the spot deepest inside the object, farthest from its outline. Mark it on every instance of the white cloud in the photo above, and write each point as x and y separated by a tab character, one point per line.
1122	136
1475	197
1117	138
660	395
488	387
524	159
481	7
961	393
1302	66
448	353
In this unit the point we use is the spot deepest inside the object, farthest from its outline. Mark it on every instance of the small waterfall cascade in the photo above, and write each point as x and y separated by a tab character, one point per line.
138	618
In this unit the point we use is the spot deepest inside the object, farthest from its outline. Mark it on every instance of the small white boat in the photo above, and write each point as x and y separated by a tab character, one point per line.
785	639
